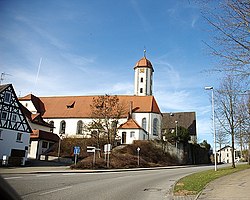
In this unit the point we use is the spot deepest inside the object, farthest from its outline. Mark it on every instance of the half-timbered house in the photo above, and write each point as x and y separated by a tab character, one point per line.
14	128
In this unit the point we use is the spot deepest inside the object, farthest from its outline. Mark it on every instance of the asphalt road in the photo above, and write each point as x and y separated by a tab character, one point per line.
146	184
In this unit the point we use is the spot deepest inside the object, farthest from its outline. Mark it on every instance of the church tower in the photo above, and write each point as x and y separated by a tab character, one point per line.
143	77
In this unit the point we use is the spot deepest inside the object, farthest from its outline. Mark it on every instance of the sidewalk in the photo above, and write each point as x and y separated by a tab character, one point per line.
233	186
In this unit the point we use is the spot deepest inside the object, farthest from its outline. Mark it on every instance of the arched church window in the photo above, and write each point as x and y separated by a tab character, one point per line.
79	127
62	127
144	123
155	126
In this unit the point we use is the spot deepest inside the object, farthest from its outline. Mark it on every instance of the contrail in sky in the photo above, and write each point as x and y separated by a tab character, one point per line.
38	70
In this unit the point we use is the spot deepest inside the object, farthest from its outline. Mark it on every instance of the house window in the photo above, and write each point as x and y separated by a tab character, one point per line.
50	144
14	116
62	127
144	123
132	134
124	134
4	115
44	144
7	96
155	126
19	137
1	134
52	126
141	90
141	80
79	127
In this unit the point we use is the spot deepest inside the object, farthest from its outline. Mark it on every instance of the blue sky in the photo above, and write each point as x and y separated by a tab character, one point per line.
91	47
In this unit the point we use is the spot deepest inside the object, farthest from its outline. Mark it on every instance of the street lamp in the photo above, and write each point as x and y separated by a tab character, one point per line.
215	154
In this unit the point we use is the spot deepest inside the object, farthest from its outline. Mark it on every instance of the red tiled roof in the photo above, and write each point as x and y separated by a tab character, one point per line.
130	124
36	102
144	62
58	107
34	118
39	134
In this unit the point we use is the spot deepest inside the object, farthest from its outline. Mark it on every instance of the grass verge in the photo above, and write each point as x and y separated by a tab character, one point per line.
194	183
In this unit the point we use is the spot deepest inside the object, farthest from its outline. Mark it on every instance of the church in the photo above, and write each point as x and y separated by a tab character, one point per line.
68	114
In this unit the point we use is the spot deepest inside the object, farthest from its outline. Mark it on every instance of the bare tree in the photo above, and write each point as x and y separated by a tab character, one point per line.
105	111
230	22
227	101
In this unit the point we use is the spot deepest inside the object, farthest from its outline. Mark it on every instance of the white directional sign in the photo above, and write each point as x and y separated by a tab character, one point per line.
90	149
107	148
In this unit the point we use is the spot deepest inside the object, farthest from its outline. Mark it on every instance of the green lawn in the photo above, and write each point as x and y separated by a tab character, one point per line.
194	183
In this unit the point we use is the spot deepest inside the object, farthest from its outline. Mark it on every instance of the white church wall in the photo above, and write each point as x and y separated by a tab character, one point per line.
29	105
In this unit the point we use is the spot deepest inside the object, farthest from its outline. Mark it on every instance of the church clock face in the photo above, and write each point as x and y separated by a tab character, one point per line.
141	70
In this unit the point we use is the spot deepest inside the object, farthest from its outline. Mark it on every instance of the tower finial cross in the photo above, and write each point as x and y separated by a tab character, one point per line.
144	52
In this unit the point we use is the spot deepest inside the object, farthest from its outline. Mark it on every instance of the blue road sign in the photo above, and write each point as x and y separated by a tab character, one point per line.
76	150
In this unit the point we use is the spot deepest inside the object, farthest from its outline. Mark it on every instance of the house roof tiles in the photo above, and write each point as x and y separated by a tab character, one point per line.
130	124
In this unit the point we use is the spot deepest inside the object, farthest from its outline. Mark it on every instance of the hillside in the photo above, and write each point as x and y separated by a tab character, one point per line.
126	157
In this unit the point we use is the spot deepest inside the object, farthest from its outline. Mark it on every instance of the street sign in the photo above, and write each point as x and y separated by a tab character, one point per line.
90	149
107	148
76	150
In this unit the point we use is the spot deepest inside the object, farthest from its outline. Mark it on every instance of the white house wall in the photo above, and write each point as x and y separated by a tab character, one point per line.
33	149
8	142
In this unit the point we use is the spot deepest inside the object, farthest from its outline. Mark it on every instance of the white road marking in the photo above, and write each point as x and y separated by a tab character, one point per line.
9	178
56	190
43	175
68	174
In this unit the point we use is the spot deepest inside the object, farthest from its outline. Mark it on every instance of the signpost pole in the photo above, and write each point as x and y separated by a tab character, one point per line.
94	159
138	156
75	158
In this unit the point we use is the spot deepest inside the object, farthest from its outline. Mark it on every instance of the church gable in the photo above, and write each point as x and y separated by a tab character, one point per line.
11	114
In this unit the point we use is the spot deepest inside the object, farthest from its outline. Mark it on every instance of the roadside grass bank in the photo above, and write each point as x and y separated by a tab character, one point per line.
194	183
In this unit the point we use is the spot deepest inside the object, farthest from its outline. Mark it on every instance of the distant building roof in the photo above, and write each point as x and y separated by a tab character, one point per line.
3	87
185	119
79	106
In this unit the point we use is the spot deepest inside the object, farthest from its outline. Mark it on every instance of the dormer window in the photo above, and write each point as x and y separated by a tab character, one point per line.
71	105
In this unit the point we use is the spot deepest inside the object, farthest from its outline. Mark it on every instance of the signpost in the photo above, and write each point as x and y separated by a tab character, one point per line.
138	156
91	149
76	152
107	149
